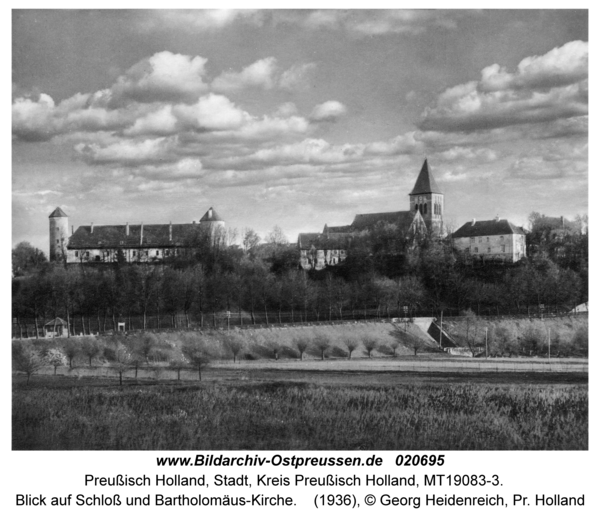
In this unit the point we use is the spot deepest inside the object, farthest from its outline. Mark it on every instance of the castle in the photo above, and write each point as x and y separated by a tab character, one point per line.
131	243
425	214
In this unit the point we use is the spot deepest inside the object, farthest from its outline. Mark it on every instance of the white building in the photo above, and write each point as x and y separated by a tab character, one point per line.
493	240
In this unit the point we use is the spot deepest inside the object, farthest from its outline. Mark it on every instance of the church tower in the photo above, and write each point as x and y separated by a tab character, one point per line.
427	198
59	234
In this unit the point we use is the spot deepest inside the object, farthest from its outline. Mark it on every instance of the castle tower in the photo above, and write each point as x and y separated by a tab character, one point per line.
59	234
427	198
212	222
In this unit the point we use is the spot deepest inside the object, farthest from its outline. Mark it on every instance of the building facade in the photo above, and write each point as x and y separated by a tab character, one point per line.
425	214
129	243
491	240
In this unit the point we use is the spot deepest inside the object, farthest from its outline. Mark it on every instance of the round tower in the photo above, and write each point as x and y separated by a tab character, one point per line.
59	234
212	222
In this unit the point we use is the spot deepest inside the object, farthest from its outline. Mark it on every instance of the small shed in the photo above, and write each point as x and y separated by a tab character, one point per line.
56	328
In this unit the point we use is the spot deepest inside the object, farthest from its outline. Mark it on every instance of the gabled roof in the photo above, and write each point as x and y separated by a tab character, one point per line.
338	228
57	213
114	236
56	321
402	219
331	241
425	182
211	216
487	228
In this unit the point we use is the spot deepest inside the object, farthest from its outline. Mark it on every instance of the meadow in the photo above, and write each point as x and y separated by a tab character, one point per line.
63	413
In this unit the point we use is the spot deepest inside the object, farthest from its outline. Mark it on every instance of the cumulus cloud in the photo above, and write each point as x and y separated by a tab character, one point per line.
328	111
127	152
163	77
543	89
258	74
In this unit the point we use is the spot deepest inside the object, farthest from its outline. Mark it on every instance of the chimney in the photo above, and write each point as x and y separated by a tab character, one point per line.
497	219
142	233
72	230
127	229
473	222
170	232
92	230
210	213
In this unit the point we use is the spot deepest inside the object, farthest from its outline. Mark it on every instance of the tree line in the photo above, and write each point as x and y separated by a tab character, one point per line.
386	273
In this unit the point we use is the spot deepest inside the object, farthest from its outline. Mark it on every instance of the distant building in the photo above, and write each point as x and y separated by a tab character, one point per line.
425	214
493	240
130	243
56	328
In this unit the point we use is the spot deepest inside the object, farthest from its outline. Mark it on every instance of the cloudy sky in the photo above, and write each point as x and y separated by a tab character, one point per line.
295	118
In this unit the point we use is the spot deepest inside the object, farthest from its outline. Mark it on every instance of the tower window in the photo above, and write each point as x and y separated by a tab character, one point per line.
425	208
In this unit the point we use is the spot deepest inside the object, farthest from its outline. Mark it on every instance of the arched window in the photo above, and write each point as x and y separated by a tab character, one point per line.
416	207
425	208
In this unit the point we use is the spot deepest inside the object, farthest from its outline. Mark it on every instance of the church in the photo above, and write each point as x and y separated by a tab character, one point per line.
425	215
131	243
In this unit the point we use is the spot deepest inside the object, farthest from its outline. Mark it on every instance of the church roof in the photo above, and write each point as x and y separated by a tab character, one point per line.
425	182
337	228
211	216
487	228
114	236
365	221
57	213
319	241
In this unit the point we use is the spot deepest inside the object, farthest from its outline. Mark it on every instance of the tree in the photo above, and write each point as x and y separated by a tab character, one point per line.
90	348
351	345
250	240
26	257
322	343
26	360
275	347
233	343
277	236
72	349
370	344
55	358
302	344
194	351
470	326
122	362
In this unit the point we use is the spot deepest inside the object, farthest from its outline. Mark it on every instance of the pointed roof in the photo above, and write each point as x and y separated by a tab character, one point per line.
425	182
208	217
57	213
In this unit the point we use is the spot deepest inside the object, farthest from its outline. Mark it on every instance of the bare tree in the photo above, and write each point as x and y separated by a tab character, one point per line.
370	344
196	356
322	343
234	344
351	345
302	344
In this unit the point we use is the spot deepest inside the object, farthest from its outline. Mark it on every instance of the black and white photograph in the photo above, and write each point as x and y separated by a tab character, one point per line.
300	230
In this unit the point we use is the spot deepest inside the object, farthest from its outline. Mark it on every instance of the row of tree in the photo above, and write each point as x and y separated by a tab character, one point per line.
386	273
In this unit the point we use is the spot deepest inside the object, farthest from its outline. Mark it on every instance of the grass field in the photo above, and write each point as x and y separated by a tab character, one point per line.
273	410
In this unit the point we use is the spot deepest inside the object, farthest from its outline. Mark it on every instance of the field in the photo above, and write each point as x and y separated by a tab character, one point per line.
264	409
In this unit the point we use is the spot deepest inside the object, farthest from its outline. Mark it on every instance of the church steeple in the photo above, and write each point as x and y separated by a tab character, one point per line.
425	182
427	198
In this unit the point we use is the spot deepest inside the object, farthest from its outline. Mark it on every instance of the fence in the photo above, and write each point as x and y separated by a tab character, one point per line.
25	328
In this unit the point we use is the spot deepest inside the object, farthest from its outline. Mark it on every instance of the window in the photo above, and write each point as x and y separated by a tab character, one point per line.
480	238
472	238
476	250
503	248
489	250
425	208
57	241
501	238
77	254
157	253
487	239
